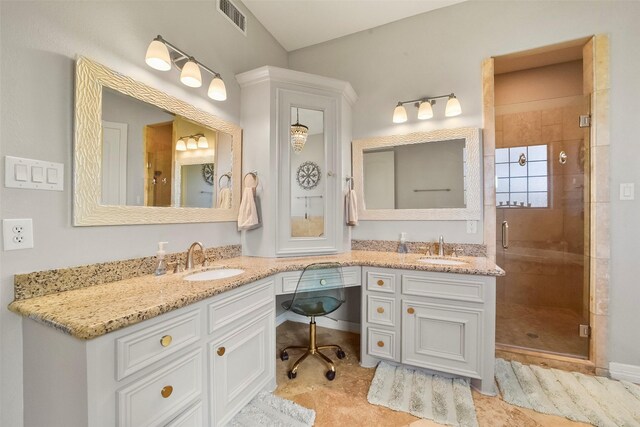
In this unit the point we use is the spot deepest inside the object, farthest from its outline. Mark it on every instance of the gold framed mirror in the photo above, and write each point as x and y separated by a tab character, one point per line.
431	175
130	164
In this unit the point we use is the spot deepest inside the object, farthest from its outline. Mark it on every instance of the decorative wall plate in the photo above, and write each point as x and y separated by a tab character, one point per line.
207	173
308	175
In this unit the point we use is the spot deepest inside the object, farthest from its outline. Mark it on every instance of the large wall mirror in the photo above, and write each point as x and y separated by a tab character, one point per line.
420	176
144	157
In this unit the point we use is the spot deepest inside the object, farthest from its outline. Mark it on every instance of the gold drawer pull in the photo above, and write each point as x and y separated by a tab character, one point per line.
380	343
165	341
221	351
380	282
410	310
380	310
166	391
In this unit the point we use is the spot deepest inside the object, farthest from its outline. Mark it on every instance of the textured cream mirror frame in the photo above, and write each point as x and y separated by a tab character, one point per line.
91	77
473	180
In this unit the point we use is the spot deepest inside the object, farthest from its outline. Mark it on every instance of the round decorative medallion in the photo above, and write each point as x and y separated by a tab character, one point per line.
207	173
308	175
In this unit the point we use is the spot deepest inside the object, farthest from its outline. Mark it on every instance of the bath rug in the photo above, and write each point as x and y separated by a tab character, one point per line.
421	394
578	397
268	410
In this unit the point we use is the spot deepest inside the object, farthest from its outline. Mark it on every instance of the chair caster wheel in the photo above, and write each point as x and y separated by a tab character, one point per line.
340	354
331	375
284	355
291	375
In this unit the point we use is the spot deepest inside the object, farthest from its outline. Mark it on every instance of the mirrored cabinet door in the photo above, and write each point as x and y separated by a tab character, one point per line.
307	140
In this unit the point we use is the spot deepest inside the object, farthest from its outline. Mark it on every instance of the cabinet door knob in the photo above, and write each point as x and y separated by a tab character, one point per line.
380	310
410	310
380	343
166	391
380	282
221	351
165	341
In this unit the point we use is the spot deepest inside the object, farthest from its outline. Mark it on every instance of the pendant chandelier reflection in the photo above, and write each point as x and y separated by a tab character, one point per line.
299	134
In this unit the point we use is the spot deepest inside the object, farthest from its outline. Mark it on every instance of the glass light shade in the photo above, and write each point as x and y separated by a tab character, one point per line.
181	146
217	89
453	107
298	137
191	75
158	56
191	144
425	111
399	114
202	142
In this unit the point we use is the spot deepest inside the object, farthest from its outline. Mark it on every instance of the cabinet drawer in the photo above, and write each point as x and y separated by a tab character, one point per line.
159	396
228	308
146	346
381	282
381	310
289	281
381	343
190	417
454	287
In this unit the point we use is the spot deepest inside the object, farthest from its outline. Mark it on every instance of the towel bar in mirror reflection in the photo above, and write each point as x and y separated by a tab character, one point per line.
431	175
144	157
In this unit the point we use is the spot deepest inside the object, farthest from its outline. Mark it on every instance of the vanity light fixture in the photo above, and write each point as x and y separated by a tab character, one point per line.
299	134
159	57
192	142
425	107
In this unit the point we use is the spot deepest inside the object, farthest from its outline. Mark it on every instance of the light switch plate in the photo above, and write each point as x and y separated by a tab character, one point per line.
29	174
627	191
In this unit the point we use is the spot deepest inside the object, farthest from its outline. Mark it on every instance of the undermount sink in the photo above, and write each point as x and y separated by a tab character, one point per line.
441	261
222	273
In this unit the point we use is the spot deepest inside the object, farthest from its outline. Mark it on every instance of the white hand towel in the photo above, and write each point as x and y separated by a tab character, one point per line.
224	198
352	208
248	215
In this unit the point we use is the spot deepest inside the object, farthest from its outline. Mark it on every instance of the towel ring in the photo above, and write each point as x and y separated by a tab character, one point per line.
349	180
255	179
226	175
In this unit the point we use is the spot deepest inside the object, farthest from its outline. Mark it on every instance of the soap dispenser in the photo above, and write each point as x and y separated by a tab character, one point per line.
402	247
161	264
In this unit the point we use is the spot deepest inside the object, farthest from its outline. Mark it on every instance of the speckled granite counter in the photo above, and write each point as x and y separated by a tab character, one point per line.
93	311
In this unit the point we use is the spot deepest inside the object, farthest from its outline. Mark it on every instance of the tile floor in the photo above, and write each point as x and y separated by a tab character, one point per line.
343	402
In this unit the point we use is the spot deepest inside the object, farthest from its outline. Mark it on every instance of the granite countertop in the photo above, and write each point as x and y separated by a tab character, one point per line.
93	311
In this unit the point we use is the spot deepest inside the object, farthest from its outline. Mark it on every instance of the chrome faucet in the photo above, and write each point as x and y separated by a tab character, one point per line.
441	246
189	264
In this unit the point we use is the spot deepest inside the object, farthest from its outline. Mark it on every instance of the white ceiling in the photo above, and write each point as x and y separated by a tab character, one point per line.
301	23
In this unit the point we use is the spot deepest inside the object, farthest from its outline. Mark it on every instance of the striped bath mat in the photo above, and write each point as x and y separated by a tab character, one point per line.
578	397
443	400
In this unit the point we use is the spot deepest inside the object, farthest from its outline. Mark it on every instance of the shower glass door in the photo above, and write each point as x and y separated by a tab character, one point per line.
542	224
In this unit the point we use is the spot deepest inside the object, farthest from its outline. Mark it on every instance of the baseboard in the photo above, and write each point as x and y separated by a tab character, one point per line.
621	371
323	321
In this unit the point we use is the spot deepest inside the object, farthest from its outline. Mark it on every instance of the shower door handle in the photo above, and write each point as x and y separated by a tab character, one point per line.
505	235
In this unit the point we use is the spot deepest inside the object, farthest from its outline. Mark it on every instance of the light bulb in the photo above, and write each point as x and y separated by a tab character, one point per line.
190	74
425	111
399	114
453	107
217	89
158	56
191	143
181	146
203	142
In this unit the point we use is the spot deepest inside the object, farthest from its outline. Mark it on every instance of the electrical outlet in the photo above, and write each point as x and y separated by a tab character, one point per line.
17	234
472	227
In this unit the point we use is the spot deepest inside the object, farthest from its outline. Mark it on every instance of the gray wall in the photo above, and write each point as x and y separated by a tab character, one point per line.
40	41
442	51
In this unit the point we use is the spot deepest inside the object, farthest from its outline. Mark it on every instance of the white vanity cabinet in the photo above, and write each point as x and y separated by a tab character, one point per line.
195	366
301	192
441	321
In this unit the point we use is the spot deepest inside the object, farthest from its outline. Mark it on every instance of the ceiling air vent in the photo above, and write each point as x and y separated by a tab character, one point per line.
232	13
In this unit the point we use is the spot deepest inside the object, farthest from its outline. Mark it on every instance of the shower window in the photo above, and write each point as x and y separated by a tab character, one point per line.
522	183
